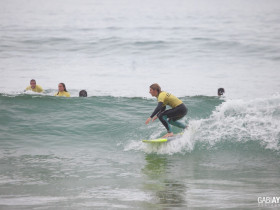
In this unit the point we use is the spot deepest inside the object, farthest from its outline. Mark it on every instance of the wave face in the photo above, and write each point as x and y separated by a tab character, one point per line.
213	122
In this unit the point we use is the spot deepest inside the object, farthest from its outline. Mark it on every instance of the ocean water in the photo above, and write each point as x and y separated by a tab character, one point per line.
86	153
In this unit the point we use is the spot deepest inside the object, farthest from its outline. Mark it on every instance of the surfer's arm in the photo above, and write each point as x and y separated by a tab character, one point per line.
163	108
157	109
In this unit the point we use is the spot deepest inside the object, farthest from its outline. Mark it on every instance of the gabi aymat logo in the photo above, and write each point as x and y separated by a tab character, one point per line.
269	201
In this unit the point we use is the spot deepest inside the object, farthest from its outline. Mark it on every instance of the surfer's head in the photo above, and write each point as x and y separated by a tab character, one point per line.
221	91
61	87
155	89
83	93
33	83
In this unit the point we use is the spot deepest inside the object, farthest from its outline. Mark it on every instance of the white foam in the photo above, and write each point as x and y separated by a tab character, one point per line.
244	120
27	200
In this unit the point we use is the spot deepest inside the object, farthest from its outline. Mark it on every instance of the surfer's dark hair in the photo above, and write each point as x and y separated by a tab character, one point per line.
63	87
156	86
83	93
221	91
32	80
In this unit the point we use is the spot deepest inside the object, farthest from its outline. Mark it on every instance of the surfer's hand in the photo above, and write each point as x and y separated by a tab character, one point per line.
148	120
154	118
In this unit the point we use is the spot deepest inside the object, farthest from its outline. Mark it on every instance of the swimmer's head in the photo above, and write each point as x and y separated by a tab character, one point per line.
33	83
83	93
221	91
155	89
61	87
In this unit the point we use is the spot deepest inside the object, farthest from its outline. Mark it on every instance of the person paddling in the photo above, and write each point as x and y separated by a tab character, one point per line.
34	87
62	90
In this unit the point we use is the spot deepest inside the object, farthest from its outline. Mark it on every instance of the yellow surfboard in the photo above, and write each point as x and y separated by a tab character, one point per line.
163	140
155	141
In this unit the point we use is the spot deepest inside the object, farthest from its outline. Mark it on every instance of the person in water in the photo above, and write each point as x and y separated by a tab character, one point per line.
221	91
83	93
34	87
170	116
62	90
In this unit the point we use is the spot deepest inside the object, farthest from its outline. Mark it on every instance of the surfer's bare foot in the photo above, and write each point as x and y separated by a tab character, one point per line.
167	135
187	127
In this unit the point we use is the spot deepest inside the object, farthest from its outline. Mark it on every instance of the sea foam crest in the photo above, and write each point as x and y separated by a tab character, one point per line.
234	121
242	121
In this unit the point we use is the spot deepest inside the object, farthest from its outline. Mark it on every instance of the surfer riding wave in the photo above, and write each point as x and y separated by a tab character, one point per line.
167	117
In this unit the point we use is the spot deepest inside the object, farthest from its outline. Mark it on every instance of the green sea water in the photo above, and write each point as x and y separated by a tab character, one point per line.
86	153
